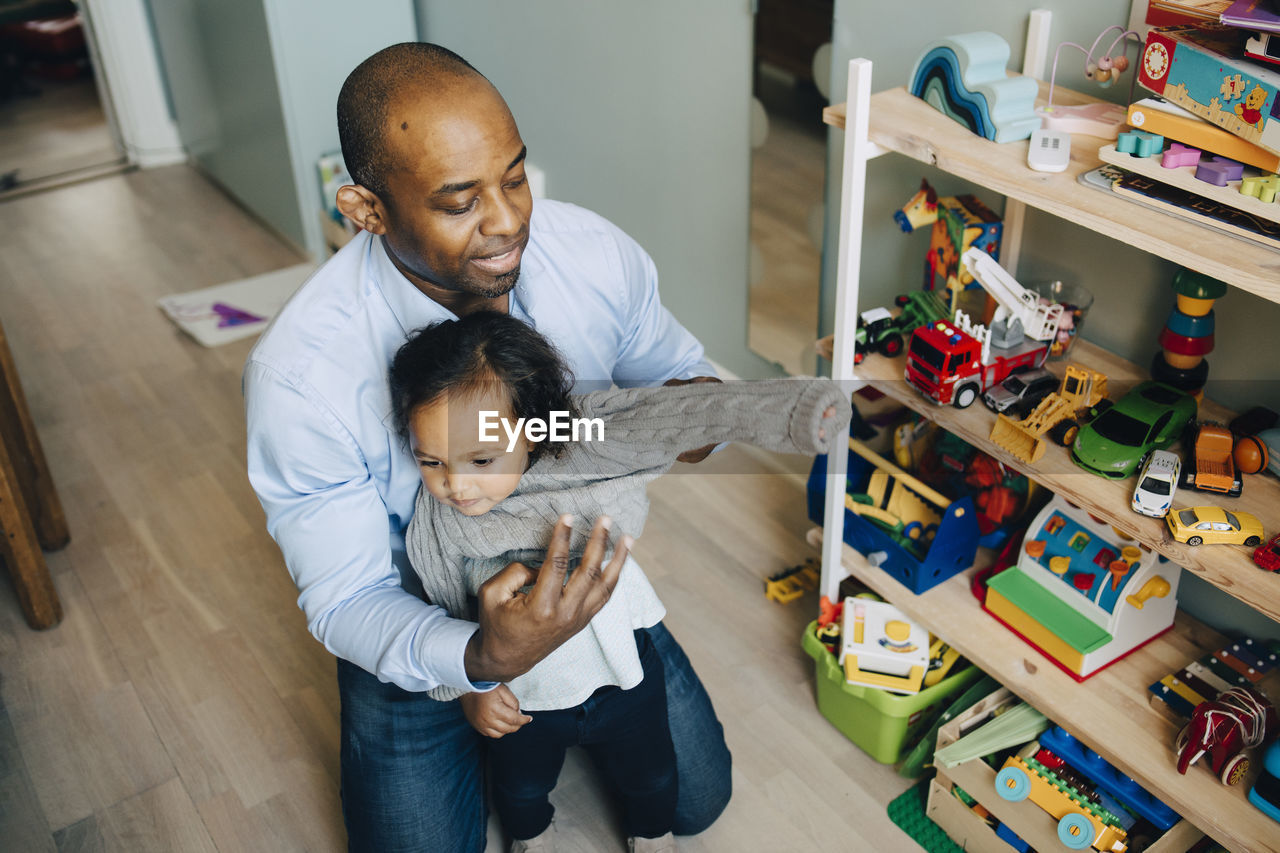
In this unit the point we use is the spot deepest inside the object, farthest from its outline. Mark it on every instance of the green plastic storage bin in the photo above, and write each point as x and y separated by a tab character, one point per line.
879	722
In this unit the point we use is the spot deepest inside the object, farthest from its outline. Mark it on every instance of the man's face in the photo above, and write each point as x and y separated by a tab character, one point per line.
458	204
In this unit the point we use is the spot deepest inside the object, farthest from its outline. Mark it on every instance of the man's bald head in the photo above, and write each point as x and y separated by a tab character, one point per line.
371	89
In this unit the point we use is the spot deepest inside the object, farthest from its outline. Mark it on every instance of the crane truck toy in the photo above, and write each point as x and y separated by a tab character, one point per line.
954	362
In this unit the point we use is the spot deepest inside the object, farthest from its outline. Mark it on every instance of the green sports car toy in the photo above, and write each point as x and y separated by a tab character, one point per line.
1150	417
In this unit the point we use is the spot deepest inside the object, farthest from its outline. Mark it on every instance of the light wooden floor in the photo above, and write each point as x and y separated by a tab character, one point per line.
181	705
60	131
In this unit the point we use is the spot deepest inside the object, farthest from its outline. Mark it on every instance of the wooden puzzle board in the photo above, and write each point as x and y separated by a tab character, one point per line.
1184	177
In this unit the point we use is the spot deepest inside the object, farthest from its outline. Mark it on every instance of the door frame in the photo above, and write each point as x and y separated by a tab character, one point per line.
131	86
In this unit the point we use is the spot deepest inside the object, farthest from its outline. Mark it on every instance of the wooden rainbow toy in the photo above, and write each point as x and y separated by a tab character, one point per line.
964	78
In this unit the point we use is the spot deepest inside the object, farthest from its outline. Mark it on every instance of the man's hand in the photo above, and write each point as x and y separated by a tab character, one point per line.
519	629
702	452
495	713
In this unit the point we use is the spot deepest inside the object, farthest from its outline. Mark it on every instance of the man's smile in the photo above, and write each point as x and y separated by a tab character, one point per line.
503	261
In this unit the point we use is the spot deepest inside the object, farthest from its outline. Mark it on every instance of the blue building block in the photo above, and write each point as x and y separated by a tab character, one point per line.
964	78
1139	143
1011	838
1108	778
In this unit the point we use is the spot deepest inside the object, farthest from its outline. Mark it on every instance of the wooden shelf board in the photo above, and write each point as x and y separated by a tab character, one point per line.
907	125
1111	712
1228	567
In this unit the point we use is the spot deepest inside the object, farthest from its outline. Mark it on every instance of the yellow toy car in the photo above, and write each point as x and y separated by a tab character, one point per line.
1197	525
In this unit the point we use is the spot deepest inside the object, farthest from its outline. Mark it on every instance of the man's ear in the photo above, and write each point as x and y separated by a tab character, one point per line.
363	207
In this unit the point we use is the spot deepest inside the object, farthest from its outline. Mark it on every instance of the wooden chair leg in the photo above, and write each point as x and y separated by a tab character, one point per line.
26	455
22	554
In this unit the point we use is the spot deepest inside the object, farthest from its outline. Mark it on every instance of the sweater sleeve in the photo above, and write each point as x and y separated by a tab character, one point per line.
650	427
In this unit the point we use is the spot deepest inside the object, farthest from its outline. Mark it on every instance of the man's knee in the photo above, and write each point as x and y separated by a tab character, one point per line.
411	770
703	760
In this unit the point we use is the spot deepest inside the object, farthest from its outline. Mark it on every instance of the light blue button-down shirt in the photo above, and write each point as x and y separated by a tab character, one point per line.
336	480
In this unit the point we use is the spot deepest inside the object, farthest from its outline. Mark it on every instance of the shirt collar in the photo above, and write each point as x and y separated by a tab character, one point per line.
413	309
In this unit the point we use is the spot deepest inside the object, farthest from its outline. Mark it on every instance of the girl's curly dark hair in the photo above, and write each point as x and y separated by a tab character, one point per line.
465	355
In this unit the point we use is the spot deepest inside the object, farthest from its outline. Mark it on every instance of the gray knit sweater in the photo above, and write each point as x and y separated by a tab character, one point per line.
645	429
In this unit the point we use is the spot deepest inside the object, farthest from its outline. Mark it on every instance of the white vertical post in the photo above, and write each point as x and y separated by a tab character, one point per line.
1036	55
857	149
132	81
1033	63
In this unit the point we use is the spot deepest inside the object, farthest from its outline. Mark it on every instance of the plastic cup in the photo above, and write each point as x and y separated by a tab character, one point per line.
1076	301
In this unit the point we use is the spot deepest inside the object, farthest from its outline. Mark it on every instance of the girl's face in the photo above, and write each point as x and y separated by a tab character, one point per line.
457	467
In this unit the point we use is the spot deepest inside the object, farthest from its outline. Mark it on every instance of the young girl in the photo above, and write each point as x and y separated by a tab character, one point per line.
491	496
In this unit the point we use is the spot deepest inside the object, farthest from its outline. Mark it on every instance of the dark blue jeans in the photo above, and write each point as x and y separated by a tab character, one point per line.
625	733
412	767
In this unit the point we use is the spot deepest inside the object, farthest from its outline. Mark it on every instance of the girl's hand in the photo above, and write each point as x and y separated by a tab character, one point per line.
827	414
494	713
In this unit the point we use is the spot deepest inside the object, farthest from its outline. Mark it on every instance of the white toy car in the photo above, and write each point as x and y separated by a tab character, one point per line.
1157	480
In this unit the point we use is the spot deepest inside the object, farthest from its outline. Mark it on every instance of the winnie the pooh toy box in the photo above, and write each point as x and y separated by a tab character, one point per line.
1202	69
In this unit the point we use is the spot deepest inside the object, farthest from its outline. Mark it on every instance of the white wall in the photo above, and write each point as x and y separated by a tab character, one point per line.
254	85
638	111
123	50
316	45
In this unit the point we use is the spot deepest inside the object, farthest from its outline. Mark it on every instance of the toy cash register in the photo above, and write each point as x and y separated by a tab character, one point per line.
1082	594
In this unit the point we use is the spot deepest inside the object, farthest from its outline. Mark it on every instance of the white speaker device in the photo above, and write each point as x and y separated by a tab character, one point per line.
1049	151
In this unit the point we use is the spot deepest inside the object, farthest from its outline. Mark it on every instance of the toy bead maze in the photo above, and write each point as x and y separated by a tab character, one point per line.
1081	594
964	78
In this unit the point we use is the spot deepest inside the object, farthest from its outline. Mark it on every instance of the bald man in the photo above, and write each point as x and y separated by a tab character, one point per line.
449	227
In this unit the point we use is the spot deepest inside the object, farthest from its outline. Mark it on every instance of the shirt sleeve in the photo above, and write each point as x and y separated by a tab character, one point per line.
655	346
326	514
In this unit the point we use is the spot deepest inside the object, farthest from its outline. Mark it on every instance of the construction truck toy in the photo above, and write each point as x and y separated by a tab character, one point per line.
789	584
1056	418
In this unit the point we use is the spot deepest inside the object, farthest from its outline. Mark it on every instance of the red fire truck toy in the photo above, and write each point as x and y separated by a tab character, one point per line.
956	361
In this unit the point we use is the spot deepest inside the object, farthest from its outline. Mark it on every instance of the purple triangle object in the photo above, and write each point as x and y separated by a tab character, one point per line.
229	316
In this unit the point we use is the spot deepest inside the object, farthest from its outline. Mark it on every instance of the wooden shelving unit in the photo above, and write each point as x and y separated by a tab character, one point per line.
1228	567
907	125
1111	711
